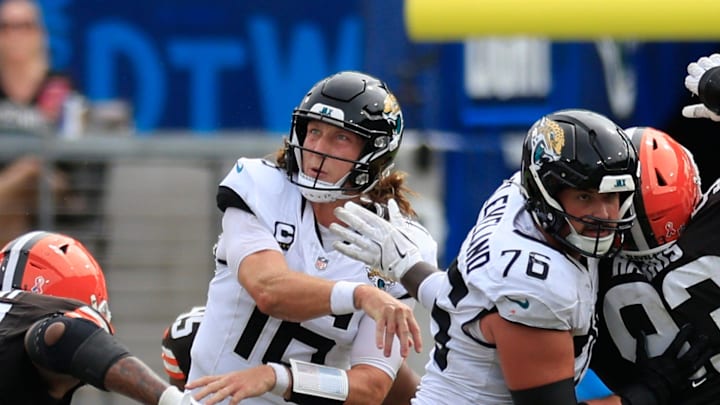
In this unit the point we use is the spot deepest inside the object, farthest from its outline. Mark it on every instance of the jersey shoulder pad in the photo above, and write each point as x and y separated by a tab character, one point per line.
90	314
259	182
535	285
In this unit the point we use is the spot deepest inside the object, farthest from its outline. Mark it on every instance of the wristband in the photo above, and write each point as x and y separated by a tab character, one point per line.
342	297
171	396
318	384
282	379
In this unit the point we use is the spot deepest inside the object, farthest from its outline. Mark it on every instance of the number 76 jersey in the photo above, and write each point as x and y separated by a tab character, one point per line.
504	266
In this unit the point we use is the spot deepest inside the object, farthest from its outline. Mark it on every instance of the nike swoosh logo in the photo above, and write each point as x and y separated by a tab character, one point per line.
697	383
524	304
239	167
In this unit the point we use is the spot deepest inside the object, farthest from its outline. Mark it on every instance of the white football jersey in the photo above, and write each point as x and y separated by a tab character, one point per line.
504	265
235	335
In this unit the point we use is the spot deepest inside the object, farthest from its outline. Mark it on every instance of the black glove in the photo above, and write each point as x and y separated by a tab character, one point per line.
661	376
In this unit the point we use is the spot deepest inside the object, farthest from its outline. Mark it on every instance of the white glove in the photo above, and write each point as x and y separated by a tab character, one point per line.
699	111
697	69
173	396
385	246
695	72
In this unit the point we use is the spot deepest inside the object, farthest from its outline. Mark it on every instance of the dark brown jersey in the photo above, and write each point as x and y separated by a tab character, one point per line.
656	295
177	341
20	383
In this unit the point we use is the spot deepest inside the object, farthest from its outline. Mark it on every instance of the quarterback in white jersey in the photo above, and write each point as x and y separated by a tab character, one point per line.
281	292
250	337
513	317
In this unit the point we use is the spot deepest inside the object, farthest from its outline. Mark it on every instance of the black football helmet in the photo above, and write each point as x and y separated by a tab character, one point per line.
583	150
358	103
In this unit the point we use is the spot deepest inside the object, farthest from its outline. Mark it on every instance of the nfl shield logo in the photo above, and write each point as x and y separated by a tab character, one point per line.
321	263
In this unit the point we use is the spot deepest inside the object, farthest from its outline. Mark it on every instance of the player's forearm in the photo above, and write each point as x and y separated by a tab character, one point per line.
281	292
368	385
132	378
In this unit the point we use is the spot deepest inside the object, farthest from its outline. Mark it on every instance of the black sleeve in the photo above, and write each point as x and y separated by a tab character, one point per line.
557	393
226	197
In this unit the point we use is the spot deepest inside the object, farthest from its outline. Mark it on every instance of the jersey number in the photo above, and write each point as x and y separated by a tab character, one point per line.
286	333
537	267
692	292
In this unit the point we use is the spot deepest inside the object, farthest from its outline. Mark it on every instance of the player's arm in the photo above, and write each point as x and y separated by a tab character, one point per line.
537	364
176	375
662	377
80	347
361	384
367	381
295	296
404	387
176	344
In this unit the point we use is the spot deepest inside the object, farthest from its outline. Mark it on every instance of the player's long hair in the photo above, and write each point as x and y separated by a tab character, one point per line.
391	186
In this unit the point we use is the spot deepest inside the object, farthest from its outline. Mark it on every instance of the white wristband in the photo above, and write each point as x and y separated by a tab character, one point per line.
319	381
282	379
171	396
342	297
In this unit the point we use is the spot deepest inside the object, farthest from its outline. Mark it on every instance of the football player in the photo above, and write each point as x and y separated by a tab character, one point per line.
177	341
281	294
667	275
55	331
515	310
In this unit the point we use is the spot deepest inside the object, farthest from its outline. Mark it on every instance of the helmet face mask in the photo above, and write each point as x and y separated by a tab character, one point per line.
670	190
582	150
357	103
54	264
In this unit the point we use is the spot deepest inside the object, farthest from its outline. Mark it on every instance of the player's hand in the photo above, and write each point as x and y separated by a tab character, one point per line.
383	245
392	318
699	111
235	386
696	70
671	371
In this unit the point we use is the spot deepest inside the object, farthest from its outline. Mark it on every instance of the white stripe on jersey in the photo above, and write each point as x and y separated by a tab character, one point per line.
170	362
11	294
90	314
